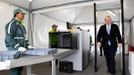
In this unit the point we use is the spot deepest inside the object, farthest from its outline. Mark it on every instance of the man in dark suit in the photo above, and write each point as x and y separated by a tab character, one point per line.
109	38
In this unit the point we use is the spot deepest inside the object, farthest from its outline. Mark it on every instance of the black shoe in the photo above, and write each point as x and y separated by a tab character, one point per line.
108	72
101	55
112	73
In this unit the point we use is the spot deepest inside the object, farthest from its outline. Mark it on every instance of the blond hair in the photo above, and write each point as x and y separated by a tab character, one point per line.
107	17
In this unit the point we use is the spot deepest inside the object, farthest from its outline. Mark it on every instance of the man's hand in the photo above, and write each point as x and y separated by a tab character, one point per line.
22	49
30	47
98	44
119	45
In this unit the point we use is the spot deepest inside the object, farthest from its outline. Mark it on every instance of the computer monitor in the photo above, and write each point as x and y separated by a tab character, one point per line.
69	25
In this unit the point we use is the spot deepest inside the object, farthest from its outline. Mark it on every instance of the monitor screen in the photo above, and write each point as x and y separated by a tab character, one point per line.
69	25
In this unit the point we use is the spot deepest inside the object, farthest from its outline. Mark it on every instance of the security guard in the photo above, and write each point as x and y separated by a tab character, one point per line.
15	37
54	28
53	38
72	29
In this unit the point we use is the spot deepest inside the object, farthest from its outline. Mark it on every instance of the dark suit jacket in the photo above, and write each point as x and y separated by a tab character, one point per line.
114	37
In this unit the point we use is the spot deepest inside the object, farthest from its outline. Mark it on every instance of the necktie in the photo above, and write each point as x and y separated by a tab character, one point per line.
108	31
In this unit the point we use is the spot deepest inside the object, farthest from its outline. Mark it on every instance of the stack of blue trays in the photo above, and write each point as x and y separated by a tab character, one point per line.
9	55
41	51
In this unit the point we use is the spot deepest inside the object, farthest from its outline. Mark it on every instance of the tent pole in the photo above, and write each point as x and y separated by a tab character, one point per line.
30	34
123	35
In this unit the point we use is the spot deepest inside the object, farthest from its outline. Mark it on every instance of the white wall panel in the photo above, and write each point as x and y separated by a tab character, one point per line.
131	33
6	14
42	26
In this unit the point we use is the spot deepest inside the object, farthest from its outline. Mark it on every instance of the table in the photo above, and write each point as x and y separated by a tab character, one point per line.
30	60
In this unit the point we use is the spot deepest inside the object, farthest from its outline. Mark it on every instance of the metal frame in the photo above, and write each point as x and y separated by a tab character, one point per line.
30	18
29	70
123	35
71	4
95	25
53	67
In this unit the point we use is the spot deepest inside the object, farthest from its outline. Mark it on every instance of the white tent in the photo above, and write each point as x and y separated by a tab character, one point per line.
80	12
37	5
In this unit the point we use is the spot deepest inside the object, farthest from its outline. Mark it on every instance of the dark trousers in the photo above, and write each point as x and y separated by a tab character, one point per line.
110	53
15	71
53	46
101	52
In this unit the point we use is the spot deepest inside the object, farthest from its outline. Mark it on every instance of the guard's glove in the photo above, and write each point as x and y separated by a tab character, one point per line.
5	65
30	47
22	49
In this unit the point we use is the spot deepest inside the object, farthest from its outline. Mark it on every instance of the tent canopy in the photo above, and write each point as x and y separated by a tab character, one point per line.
77	11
